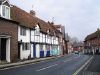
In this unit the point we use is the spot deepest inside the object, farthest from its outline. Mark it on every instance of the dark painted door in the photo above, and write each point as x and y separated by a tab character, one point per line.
19	50
3	48
34	50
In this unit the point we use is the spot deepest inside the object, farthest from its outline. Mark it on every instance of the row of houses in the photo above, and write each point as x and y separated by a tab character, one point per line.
92	43
25	36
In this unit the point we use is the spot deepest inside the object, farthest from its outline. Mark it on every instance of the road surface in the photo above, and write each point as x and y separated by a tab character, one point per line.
66	65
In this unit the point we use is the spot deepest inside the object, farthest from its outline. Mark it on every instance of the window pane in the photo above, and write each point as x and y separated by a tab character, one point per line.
25	46
7	12
22	31
3	11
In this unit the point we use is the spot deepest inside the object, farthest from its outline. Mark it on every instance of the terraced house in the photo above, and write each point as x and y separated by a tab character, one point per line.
25	36
92	43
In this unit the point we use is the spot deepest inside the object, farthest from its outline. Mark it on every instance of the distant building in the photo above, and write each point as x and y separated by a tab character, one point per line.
63	41
92	43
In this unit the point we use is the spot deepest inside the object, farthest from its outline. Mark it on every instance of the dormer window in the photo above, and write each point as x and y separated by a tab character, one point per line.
5	11
37	30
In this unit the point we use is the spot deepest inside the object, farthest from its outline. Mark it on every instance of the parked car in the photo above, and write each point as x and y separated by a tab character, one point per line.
76	52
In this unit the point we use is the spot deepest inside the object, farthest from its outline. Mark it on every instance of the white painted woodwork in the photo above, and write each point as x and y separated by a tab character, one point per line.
8	50
37	51
32	51
32	36
24	54
25	38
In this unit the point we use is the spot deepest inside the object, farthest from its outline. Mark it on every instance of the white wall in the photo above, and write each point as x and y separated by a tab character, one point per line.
43	38
24	38
32	35
24	53
44	48
37	39
8	50
32	51
37	51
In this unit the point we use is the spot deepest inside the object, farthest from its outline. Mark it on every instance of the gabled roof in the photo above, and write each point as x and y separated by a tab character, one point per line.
58	26
27	20
21	16
53	29
96	34
4	1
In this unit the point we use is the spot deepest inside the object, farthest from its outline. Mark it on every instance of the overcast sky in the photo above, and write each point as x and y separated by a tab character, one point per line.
80	17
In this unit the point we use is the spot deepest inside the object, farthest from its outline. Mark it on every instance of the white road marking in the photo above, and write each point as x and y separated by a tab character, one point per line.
47	67
67	60
71	59
83	66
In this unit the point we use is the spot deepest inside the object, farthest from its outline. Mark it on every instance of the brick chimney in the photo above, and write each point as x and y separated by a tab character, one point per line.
32	13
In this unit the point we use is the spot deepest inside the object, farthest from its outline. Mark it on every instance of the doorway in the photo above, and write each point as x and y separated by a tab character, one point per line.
5	49
19	50
34	50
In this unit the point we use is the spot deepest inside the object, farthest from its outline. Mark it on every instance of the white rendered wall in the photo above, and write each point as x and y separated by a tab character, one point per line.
24	54
41	37
8	50
44	48
32	35
24	38
32	51
37	51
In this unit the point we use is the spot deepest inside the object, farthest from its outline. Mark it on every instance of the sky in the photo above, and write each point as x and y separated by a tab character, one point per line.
80	17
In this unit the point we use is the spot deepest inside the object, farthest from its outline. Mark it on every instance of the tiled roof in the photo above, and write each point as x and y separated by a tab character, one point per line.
58	26
24	18
53	29
93	35
27	20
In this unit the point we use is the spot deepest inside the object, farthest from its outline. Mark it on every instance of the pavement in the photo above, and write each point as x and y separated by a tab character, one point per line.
7	65
66	65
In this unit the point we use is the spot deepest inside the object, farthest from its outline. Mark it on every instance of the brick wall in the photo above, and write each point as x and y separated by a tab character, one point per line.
11	29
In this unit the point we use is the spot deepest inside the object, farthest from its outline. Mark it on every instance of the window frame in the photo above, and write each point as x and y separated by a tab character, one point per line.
22	31
25	46
7	13
37	30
